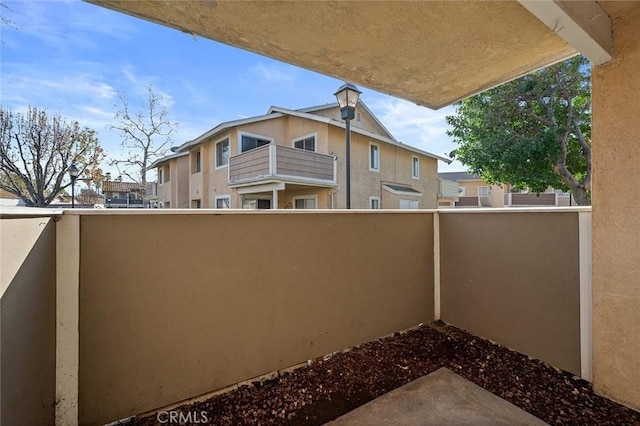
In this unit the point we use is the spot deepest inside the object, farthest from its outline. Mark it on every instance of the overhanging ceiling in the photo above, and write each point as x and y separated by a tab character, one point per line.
430	52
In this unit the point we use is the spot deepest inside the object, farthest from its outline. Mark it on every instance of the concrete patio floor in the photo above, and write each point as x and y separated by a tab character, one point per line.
439	398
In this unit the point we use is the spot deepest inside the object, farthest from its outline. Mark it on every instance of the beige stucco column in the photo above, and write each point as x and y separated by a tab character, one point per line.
616	217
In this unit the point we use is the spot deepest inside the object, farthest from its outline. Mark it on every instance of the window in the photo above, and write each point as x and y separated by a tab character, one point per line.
408	204
483	191
160	176
374	157
256	203
197	164
166	175
223	202
374	203
307	143
304	202
415	167
222	153
196	204
252	142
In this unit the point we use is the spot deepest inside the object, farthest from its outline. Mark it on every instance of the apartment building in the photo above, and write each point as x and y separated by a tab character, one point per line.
122	195
473	191
296	159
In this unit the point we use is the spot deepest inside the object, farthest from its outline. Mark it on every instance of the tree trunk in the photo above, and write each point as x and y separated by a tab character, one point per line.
581	196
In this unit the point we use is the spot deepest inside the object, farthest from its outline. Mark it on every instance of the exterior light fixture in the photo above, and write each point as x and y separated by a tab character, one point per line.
347	97
73	174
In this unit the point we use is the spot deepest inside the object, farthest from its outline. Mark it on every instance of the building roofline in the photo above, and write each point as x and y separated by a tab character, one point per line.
465	176
340	123
226	125
166	158
360	103
277	112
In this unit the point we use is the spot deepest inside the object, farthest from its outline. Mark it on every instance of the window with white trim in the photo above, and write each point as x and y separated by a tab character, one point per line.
305	202
160	176
223	202
249	142
256	202
374	157
483	191
374	203
415	167
222	153
307	143
409	204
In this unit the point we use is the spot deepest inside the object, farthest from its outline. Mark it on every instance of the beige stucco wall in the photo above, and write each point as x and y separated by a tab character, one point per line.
361	120
165	189
514	277
616	217
471	187
496	192
496	195
323	195
197	187
27	328
182	177
175	191
155	332
395	167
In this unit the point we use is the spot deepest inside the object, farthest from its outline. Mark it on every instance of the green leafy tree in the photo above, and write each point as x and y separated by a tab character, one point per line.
37	150
534	131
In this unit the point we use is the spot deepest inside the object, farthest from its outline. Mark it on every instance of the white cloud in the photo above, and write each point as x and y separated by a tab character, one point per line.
46	89
274	73
417	126
127	71
33	18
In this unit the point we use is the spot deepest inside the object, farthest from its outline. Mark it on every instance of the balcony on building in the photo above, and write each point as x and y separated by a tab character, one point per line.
282	165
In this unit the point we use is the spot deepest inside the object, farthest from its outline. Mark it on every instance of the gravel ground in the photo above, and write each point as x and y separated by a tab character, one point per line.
329	388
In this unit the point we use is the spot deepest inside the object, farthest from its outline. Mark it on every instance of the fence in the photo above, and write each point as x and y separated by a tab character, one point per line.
198	300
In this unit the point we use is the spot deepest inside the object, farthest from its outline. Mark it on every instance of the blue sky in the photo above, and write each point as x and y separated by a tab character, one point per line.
74	58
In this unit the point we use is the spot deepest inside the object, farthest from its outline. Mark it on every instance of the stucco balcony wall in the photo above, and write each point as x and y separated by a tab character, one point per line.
198	300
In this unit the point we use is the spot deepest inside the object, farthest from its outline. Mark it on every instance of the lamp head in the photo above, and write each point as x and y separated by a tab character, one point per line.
347	96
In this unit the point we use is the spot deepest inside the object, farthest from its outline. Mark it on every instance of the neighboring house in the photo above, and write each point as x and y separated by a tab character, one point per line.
173	180
151	195
8	199
64	201
122	195
296	159
474	192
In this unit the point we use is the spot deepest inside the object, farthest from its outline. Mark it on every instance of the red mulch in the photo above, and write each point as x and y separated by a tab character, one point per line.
332	387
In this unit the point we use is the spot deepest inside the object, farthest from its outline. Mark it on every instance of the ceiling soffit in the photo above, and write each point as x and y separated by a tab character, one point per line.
432	53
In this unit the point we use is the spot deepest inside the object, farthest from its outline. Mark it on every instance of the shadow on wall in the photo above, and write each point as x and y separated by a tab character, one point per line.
27	331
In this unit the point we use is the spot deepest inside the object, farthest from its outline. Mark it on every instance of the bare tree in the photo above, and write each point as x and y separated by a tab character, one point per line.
145	135
4	20
36	152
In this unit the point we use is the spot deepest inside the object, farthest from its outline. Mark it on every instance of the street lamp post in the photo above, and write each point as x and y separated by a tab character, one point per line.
73	174
347	96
